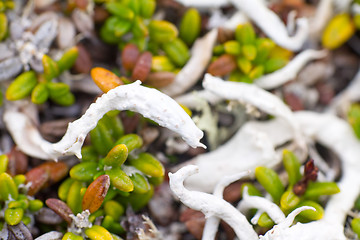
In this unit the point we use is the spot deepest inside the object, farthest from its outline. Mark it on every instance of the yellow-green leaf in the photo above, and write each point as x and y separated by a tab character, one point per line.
338	31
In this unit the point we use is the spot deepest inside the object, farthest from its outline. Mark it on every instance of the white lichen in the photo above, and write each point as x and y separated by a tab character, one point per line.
212	223
80	222
212	205
289	72
209	204
246	150
150	103
264	205
270	23
201	54
253	95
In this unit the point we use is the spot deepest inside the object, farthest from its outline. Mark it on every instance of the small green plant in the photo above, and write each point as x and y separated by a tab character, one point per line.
16	206
247	57
149	45
40	87
302	189
132	174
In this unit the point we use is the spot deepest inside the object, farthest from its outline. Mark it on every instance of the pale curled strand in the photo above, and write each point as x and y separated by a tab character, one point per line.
209	204
212	223
150	103
254	95
248	202
289	72
201	54
272	26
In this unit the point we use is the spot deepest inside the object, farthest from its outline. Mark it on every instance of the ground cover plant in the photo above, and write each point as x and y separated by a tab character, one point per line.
176	119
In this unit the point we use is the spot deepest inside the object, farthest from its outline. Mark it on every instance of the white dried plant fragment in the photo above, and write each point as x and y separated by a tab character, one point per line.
264	205
22	128
209	204
218	19
53	235
272	26
204	3
212	205
246	150
149	102
212	223
342	5
253	95
289	72
201	54
66	36
323	14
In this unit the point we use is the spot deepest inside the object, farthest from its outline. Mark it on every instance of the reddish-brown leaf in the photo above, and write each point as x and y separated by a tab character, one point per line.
129	56
56	170
222	66
95	193
142	67
83	62
38	178
18	162
160	79
60	208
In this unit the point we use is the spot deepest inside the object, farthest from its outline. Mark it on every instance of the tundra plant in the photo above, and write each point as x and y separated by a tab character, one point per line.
302	190
247	57
15	203
40	86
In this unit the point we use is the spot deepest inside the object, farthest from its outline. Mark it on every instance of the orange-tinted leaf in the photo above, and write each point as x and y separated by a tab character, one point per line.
95	193
105	79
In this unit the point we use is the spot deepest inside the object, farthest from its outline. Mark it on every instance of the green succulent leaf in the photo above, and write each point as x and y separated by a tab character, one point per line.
292	167
13	216
191	18
316	189
84	171
22	86
270	180
148	164
8	187
132	141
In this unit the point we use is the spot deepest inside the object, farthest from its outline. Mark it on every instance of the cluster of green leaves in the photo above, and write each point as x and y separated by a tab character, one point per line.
131	22
4	5
353	117
40	87
286	197
16	205
132	177
254	55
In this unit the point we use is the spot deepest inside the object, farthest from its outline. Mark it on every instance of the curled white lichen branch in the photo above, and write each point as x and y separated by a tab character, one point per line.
272	26
212	223
248	202
255	148
289	72
150	103
209	204
253	95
